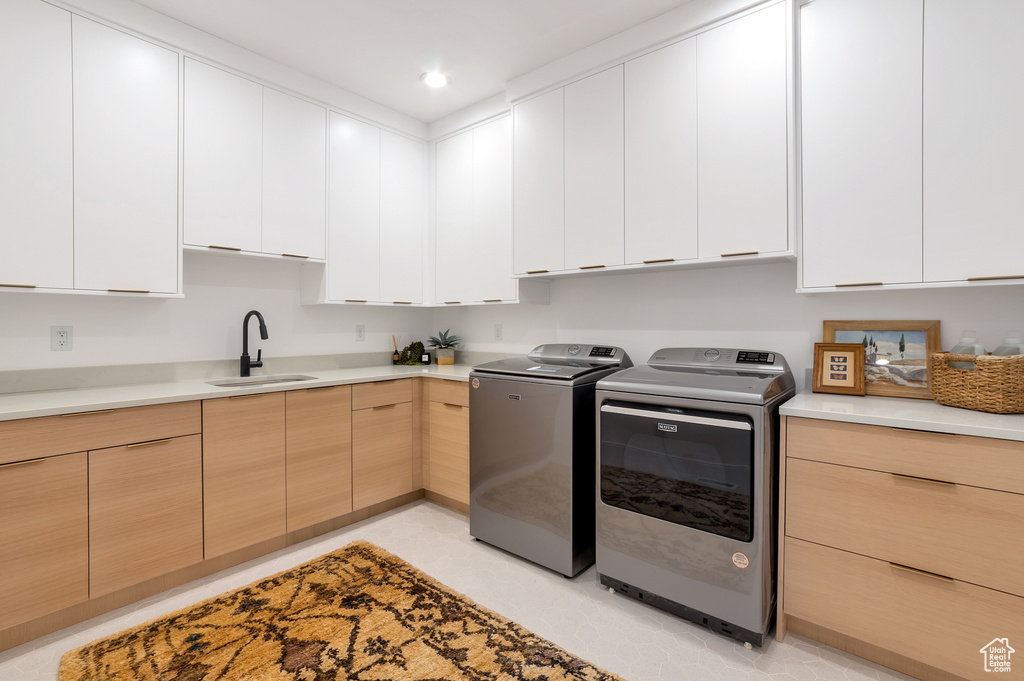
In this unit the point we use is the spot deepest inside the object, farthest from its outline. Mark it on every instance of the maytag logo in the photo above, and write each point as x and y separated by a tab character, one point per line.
515	397
668	427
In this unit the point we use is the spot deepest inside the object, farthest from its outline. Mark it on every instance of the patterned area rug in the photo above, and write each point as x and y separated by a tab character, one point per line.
359	613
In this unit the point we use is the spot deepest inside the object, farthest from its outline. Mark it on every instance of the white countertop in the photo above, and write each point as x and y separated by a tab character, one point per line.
905	413
55	402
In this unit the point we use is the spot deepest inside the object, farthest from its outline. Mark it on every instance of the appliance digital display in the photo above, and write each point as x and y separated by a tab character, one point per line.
751	357
602	352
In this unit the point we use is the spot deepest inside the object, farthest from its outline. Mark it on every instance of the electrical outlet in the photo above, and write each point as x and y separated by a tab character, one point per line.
497	332
360	332
61	338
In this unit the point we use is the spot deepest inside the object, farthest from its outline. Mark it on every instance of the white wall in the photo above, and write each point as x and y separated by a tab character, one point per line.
205	325
753	307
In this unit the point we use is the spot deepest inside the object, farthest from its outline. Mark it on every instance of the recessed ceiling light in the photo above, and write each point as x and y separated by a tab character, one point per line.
435	79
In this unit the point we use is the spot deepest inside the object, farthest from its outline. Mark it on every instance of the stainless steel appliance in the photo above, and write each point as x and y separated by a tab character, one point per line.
687	505
531	452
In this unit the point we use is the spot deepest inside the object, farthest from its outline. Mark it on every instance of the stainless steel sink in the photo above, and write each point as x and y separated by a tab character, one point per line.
256	381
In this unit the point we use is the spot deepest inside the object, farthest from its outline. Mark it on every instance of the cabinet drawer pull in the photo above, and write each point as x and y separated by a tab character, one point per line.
224	248
860	283
651	262
127	290
452	404
18	285
87	413
384	406
914	478
295	255
590	267
401	302
452	302
323	387
925	432
492	300
996	278
733	255
242	397
536	271
151	442
925	573
354	300
21	463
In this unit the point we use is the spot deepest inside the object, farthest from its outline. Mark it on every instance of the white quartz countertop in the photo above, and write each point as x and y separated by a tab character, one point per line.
905	413
55	402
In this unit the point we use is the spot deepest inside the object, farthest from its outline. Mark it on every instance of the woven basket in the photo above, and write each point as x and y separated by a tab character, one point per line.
996	384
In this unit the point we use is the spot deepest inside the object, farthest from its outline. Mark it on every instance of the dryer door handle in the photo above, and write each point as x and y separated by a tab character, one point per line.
682	418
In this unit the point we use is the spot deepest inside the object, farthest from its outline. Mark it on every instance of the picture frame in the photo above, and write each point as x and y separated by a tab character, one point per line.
895	352
838	368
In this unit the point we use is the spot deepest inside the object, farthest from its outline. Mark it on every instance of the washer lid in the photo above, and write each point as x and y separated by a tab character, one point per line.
560	361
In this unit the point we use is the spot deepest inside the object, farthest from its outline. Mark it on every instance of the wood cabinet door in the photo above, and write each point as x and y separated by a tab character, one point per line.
381	453
243	471
973	140
294	176
36	213
594	171
403	218
860	101
742	135
538	183
319	444
126	161
145	511
449	450
661	154
44	532
223	156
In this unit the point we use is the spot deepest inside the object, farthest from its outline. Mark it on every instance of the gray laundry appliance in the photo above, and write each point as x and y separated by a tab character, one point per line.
531	452
687	501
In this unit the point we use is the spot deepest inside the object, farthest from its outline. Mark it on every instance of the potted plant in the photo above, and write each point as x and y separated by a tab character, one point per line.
445	343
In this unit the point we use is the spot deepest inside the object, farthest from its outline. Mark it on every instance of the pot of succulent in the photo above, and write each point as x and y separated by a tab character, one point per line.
445	343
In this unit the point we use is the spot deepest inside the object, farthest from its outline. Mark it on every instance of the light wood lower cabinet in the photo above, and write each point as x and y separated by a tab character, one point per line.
145	511
446	447
44	536
319	447
244	497
382	443
901	546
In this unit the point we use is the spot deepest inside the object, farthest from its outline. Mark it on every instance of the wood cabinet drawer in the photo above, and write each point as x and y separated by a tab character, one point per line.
943	623
51	435
452	392
968	533
380	393
977	461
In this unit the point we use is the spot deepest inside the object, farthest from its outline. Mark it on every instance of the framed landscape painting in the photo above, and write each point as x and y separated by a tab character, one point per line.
895	353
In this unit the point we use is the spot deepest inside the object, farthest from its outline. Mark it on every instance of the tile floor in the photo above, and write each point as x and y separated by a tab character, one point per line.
623	636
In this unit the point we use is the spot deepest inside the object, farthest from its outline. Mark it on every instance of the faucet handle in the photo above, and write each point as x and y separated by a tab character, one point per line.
259	359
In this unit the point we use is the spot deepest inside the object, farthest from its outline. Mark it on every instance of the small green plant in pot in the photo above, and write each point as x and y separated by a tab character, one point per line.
445	343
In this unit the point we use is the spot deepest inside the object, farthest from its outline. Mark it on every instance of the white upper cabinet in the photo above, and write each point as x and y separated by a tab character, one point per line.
223	145
742	135
594	171
538	177
403	211
36	176
294	176
353	262
473	244
973	139
861	108
661	154
126	161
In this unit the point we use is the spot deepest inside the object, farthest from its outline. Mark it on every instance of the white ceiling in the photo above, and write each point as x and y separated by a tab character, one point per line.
379	48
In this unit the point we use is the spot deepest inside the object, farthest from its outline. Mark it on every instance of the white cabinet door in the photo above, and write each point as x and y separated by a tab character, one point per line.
294	176
403	208
353	262
538	184
742	135
861	138
36	212
491	257
455	256
661	154
223	145
594	171
126	161
973	139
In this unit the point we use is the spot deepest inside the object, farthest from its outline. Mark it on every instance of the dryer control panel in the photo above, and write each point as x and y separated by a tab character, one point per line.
735	358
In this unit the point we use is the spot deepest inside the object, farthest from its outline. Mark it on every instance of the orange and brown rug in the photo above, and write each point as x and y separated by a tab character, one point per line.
359	613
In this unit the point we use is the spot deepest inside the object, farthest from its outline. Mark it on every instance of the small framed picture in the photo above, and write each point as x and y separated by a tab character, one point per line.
839	368
425	358
896	353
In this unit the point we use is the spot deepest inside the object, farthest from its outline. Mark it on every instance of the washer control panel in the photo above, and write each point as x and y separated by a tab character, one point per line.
587	354
721	357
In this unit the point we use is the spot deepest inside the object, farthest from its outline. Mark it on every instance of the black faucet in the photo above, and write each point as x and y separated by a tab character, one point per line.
245	364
